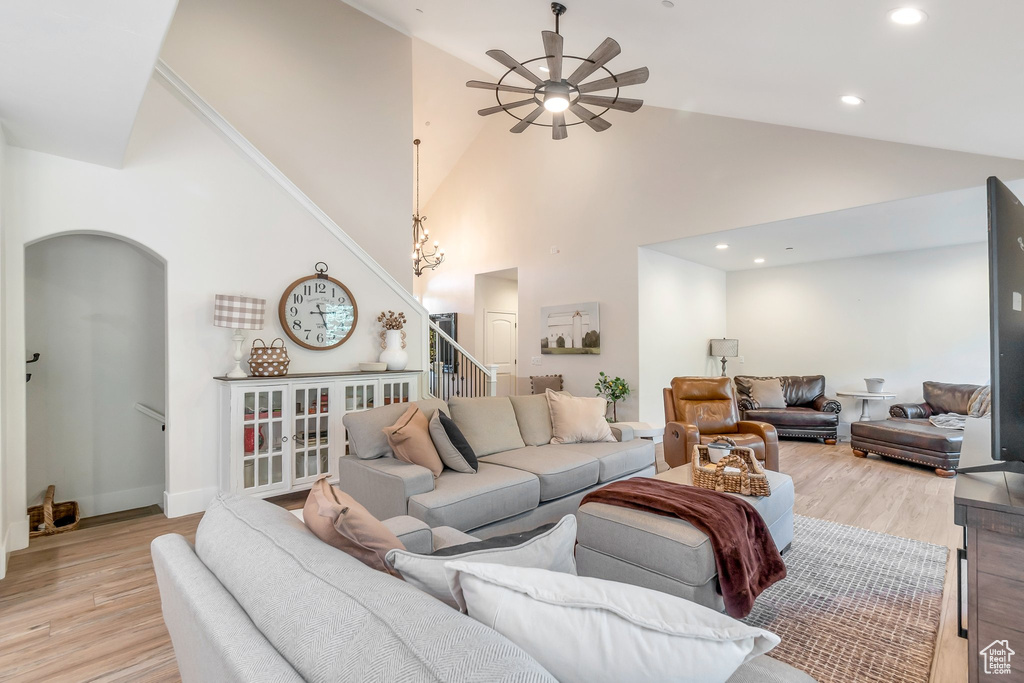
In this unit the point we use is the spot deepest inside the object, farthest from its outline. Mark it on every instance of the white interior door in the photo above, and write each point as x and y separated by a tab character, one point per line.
500	348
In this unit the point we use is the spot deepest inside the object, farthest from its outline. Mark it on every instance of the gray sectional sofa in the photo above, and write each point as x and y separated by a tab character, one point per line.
523	481
260	598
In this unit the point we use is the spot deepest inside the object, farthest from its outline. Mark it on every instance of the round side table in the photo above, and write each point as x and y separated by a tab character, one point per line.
865	397
644	430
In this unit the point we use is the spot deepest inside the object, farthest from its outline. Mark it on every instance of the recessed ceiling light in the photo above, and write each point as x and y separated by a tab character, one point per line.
721	246
907	16
668	3
852	99
543	68
759	260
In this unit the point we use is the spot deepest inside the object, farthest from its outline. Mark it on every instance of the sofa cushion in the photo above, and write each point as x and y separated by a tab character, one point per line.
949	398
617	459
552	549
767	393
451	445
799	390
334	619
467	501
586	629
366	428
534	418
338	520
410	440
489	423
560	472
578	419
919	434
793	417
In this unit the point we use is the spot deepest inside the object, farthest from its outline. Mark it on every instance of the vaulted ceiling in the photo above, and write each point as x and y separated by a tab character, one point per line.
72	73
951	82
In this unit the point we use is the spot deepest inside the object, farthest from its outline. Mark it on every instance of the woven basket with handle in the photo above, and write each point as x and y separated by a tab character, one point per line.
749	481
268	361
54	518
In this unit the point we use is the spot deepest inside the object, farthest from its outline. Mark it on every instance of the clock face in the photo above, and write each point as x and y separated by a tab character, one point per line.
318	312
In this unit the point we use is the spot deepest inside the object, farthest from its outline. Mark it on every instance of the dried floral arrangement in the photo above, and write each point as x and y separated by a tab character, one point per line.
391	320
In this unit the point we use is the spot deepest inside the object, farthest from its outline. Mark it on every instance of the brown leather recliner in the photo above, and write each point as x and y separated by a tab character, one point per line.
697	409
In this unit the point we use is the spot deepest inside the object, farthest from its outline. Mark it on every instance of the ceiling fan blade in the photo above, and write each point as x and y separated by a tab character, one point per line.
553	51
505	60
497	86
530	118
620	103
634	77
505	107
590	118
601	56
558	129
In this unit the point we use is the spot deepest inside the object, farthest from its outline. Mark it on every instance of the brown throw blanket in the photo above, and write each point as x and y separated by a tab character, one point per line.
745	554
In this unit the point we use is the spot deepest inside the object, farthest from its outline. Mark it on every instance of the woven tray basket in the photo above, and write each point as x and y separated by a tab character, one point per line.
49	514
749	481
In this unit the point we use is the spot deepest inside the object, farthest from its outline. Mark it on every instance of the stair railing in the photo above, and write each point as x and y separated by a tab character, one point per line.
455	372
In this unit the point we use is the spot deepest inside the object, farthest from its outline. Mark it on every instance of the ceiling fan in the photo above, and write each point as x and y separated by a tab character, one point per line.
557	94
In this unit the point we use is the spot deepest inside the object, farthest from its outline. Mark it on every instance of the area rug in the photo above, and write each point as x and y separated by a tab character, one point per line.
856	605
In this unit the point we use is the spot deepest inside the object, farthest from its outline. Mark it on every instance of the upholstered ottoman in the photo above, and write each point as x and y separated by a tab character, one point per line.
665	553
917	441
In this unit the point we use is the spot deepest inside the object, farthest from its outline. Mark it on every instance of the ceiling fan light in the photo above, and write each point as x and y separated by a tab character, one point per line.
556	97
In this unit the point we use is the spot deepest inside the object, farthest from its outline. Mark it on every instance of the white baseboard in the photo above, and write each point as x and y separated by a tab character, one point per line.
14	537
188	502
115	501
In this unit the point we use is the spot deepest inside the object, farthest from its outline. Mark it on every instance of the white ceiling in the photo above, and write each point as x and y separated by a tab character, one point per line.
938	220
73	73
952	82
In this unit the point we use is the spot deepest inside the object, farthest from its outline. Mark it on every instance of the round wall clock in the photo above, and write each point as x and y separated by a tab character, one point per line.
317	311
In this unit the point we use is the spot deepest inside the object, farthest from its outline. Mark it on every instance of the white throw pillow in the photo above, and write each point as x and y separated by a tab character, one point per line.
594	631
576	419
554	550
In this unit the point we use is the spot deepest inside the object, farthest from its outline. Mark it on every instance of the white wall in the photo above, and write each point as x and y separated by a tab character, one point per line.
222	227
655	175
681	306
325	92
907	317
95	311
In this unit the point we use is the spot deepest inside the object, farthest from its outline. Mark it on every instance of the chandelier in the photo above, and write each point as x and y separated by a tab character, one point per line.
557	94
421	258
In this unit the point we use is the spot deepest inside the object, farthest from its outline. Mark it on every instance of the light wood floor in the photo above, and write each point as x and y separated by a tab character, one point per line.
83	606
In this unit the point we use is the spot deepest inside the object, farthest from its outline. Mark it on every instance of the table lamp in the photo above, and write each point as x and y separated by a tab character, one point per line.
726	348
239	313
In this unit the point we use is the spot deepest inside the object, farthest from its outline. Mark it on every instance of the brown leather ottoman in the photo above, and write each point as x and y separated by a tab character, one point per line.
916	441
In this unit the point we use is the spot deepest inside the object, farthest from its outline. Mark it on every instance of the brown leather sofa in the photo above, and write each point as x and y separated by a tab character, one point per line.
808	413
697	409
908	435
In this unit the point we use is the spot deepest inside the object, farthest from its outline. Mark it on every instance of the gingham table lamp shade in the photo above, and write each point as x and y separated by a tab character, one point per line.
239	312
729	348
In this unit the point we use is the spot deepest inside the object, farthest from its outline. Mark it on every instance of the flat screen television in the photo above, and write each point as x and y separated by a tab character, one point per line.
1006	328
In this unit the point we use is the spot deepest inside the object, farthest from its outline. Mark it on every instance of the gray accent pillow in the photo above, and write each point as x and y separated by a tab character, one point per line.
450	455
366	428
489	424
767	393
552	550
534	418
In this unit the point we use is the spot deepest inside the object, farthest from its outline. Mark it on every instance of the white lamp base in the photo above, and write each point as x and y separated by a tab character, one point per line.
237	372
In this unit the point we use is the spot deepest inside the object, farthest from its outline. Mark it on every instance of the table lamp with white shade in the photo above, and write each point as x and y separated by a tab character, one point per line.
239	313
726	348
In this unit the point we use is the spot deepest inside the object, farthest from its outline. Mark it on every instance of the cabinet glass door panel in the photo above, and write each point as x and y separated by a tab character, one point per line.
358	396
262	439
397	391
312	431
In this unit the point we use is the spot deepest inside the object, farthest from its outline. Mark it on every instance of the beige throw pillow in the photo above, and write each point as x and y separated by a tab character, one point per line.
576	419
338	520
767	393
410	441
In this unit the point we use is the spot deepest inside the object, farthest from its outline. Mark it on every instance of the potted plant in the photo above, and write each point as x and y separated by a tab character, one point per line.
612	390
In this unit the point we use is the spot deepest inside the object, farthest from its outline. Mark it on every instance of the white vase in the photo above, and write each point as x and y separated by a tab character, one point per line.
393	354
